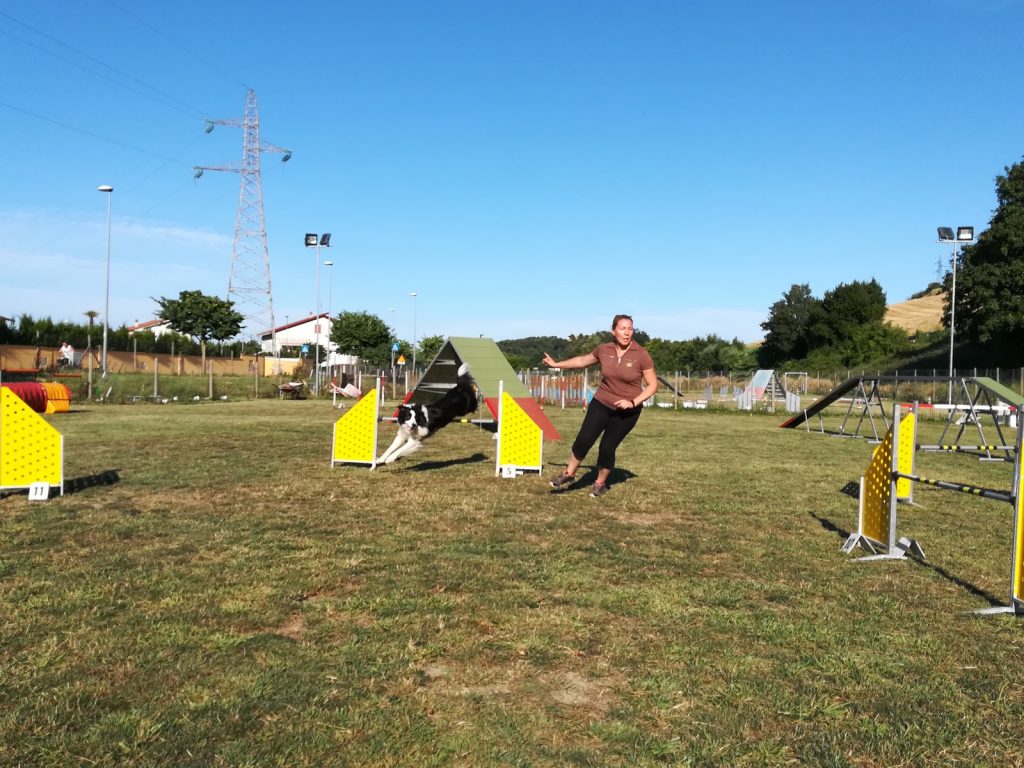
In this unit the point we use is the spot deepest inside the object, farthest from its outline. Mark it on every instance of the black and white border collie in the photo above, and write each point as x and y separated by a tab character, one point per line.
418	422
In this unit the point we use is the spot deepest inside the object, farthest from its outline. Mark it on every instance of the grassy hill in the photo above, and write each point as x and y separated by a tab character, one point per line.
918	315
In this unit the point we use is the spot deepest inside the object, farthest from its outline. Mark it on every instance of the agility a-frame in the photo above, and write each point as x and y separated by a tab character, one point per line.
490	370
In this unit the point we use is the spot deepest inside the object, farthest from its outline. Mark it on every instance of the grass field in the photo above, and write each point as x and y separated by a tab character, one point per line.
210	592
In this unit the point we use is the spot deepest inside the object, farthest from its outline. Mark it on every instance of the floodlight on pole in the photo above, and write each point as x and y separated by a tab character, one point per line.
964	236
109	190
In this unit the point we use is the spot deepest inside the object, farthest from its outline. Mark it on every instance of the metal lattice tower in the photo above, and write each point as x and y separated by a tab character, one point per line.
249	280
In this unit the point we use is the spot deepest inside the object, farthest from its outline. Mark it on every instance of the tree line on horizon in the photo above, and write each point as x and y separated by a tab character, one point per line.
845	327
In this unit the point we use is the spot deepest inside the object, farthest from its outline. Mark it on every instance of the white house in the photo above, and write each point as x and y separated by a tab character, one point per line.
303	331
157	327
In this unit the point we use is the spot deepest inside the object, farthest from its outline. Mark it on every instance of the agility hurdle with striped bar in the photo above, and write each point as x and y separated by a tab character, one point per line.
880	489
878	507
31	449
355	432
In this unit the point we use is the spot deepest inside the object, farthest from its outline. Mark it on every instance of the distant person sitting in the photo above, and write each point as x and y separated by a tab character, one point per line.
67	354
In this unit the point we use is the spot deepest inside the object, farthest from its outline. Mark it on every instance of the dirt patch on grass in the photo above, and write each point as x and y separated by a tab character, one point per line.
574	690
294	627
569	688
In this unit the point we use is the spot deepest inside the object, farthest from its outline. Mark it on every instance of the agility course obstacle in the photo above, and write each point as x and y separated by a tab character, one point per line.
885	483
765	386
520	439
31	450
977	399
879	496
355	432
489	369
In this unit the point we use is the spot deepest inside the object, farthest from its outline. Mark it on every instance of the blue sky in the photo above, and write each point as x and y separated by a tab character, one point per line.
527	168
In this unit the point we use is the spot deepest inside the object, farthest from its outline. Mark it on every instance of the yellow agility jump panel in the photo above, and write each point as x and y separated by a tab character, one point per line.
355	432
520	440
31	449
1017	568
876	519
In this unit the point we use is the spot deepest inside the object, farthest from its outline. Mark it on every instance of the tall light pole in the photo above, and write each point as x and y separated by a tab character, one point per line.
392	311
330	286
413	294
109	190
330	300
313	241
964	236
91	314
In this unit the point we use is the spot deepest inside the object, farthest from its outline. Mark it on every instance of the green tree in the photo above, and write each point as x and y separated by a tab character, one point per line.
990	280
528	352
787	327
364	335
429	347
844	310
201	317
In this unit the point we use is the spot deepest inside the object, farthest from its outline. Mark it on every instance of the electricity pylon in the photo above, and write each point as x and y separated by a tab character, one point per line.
249	280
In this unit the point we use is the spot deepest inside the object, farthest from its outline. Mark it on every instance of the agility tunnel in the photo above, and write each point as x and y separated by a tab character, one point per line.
31	393
58	397
31	450
42	397
891	465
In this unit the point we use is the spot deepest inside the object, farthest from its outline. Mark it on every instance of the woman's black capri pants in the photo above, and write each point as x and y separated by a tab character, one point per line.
615	425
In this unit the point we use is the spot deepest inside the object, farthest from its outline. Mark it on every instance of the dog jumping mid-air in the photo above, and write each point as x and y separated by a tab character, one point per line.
418	422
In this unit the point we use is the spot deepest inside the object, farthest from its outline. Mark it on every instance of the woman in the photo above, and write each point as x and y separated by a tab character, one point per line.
627	380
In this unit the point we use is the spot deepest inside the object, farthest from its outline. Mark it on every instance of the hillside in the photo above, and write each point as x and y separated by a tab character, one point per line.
923	314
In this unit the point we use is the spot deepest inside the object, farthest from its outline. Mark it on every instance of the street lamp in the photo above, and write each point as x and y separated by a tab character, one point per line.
314	242
109	190
135	343
964	236
330	300
392	329
91	314
330	287
413	294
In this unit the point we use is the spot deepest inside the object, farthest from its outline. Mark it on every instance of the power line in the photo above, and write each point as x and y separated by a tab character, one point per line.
188	109
84	132
174	42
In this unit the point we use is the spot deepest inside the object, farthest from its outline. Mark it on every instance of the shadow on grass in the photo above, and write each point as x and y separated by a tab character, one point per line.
426	466
107	477
831	527
588	477
967	586
851	489
964	585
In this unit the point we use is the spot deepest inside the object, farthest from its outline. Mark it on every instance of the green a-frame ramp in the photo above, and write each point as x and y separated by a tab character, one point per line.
488	367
